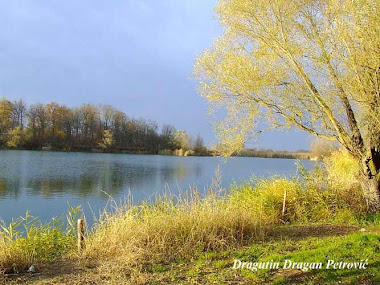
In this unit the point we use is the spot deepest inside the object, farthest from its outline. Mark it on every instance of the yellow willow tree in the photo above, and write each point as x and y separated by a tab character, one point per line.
308	64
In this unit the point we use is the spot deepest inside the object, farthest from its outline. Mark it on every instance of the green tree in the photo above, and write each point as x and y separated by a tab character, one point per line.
90	124
168	133
182	140
107	140
37	123
309	64
15	137
6	109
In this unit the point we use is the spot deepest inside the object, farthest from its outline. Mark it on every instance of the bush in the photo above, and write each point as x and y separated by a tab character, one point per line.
342	169
28	241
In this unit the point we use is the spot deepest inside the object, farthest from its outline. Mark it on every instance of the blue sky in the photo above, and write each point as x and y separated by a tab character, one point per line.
136	55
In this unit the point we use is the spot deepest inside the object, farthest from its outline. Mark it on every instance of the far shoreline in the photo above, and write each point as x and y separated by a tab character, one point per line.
245	153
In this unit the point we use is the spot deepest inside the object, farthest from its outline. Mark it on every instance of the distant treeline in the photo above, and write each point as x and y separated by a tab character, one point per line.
275	154
88	128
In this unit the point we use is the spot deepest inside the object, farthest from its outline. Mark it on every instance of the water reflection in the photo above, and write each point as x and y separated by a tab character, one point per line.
72	176
44	182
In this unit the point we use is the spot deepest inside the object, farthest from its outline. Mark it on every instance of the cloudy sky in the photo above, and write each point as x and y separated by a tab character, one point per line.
136	55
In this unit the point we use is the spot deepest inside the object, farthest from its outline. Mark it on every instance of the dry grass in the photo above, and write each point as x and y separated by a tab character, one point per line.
135	238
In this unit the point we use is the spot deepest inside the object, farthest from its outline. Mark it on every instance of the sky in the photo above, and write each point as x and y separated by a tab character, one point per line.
136	55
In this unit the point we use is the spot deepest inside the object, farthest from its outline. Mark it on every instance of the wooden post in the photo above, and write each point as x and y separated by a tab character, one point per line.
283	204
80	235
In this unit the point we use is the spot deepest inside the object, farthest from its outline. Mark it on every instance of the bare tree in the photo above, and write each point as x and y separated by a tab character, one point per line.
19	113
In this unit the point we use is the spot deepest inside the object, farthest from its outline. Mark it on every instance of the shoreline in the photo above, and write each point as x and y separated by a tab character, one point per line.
258	154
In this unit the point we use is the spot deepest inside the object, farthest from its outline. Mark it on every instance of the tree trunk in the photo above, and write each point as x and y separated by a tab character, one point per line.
370	179
371	191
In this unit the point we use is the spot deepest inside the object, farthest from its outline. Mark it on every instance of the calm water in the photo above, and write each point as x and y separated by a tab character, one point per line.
44	182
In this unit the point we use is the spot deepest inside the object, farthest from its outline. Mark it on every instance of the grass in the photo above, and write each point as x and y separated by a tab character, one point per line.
216	268
297	243
27	241
193	240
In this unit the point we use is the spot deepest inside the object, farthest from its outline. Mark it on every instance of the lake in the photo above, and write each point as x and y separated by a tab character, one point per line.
45	182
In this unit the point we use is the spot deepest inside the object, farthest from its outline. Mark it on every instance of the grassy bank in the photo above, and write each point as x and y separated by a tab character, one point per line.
297	243
194	239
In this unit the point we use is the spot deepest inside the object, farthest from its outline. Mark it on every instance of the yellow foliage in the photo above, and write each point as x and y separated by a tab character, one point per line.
5	115
306	64
15	137
342	169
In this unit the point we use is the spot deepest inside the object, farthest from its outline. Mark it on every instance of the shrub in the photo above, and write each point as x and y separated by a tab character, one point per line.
342	169
28	241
